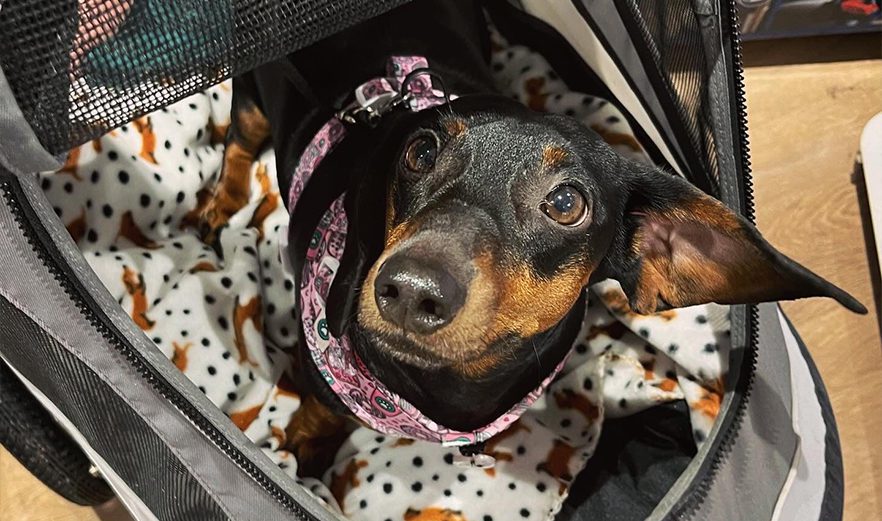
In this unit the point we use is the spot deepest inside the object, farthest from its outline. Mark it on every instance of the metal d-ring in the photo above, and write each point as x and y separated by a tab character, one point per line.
424	71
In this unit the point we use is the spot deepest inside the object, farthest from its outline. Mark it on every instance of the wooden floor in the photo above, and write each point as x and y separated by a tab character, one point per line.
808	101
805	125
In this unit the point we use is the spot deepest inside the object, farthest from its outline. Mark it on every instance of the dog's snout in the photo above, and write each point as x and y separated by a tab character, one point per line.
417	296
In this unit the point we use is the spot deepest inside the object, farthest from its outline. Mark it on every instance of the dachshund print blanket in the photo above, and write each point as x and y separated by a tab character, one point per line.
131	199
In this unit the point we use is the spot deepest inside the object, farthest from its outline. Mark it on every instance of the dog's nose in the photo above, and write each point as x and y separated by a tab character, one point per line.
416	296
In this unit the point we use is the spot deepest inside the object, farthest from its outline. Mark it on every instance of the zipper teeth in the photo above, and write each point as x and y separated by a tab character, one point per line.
697	497
741	106
727	444
136	360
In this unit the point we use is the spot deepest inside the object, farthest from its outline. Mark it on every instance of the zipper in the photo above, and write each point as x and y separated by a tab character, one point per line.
686	509
52	260
689	507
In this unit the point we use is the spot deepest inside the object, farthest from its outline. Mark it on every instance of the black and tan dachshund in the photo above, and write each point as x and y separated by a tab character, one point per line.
476	226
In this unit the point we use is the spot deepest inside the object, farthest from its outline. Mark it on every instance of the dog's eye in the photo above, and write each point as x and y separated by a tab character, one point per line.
421	153
565	205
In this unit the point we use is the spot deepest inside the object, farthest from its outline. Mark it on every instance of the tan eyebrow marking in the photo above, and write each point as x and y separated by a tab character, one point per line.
553	156
454	126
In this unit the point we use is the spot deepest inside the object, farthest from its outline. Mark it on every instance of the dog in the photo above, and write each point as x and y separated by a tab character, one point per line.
474	228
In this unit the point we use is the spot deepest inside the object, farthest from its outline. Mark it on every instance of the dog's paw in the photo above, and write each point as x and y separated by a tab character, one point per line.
314	435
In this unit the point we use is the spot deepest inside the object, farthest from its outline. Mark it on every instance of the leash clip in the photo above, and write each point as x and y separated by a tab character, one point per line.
371	111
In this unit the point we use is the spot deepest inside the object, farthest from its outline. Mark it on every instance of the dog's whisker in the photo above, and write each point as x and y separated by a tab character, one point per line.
538	362
450	110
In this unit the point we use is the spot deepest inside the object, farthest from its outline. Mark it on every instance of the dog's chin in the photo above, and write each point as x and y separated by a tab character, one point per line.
404	348
401	347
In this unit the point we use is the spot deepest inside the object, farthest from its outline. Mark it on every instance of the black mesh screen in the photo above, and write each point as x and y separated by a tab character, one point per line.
79	68
669	37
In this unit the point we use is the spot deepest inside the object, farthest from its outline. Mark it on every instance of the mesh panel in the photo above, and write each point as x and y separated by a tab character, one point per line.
670	38
81	68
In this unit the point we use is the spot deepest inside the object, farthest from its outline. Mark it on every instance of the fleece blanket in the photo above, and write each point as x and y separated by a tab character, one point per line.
131	201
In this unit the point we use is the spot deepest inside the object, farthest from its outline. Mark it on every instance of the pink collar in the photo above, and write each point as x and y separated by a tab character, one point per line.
335	358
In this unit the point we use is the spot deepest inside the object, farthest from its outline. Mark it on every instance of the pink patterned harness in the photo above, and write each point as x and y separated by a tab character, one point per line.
335	358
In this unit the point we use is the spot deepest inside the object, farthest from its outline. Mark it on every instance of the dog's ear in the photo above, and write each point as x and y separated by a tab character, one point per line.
678	247
365	230
342	304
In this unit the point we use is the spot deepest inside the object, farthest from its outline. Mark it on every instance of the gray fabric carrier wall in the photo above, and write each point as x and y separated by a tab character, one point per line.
74	362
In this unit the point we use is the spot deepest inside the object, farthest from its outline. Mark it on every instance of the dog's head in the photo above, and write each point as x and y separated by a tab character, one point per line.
495	219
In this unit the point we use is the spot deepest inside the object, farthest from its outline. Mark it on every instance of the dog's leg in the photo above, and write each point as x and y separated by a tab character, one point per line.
247	134
315	435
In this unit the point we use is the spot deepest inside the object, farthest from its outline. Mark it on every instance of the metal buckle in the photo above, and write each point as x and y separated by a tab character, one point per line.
480	460
371	113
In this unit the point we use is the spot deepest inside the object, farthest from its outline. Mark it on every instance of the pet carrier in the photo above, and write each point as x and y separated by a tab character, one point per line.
94	407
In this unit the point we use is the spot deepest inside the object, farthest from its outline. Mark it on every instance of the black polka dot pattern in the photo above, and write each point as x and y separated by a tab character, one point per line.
191	297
